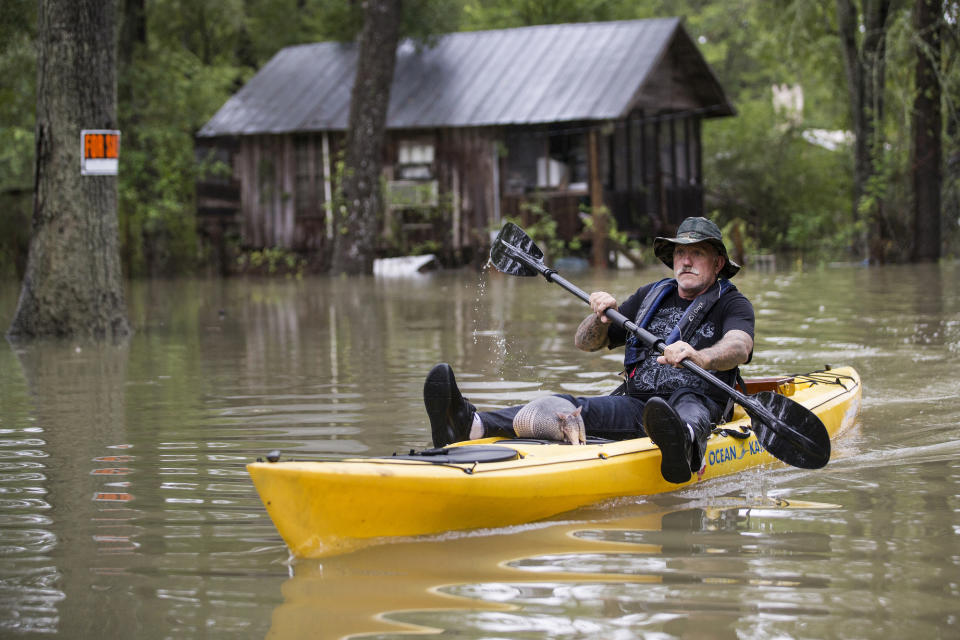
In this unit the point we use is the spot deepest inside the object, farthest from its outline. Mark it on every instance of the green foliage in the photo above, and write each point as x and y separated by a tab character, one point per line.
18	68
343	21
423	20
500	14
18	100
271	262
791	195
425	247
888	197
171	93
619	240
795	196
412	194
14	232
541	228
408	204
209	30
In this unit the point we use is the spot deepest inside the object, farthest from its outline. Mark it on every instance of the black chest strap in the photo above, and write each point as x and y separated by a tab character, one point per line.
692	317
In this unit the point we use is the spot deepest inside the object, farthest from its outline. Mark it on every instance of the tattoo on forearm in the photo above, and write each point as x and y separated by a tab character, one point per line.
731	351
591	334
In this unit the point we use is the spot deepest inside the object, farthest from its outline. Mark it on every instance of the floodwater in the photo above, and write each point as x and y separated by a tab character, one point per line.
126	511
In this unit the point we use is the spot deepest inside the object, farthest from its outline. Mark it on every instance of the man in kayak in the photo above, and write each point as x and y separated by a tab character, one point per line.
698	314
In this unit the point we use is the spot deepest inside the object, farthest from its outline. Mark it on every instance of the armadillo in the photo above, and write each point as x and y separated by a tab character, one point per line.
550	418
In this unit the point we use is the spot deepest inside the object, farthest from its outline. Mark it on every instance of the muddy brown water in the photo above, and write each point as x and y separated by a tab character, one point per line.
125	509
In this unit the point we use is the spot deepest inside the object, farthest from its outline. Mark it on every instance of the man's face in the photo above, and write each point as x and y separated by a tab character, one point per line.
695	267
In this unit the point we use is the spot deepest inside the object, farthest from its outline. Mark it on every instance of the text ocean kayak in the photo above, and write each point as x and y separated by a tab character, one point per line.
326	507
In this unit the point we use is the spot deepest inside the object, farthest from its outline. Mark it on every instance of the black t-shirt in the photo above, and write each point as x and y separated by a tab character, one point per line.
731	311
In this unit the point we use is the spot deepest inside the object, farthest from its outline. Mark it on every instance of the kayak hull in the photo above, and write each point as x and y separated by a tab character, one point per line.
326	507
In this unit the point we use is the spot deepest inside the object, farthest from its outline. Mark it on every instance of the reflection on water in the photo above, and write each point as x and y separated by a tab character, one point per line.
125	509
563	576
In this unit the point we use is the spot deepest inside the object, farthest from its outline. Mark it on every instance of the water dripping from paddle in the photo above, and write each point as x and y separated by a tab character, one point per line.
499	343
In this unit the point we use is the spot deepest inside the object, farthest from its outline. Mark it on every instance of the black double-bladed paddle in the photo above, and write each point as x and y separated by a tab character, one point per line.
786	429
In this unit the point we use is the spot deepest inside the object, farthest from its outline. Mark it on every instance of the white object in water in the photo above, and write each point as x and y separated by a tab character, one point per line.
404	265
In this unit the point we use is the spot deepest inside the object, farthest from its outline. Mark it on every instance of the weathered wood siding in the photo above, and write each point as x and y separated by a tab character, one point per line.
266	199
282	195
466	161
464	170
650	170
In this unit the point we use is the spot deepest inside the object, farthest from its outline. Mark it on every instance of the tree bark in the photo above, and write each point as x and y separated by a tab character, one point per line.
865	66
927	123
73	286
357	223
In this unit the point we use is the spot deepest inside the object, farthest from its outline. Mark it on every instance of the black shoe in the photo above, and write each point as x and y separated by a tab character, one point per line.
450	415
668	432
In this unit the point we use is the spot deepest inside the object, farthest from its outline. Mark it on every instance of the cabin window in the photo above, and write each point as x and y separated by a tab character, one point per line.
568	161
520	166
546	161
415	160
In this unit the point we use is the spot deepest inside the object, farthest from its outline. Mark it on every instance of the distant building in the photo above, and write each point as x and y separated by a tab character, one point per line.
479	124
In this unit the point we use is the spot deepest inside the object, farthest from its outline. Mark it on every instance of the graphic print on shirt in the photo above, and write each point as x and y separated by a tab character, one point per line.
665	379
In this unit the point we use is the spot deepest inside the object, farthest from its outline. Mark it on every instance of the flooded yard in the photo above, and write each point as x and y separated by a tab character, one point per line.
126	510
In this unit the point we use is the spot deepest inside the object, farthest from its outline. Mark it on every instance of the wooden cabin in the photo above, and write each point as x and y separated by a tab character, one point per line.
481	126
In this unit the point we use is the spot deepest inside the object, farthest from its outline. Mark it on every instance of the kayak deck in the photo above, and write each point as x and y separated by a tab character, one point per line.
323	507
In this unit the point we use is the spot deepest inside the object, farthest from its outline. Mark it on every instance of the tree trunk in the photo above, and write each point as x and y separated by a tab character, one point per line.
357	226
927	123
865	66
73	286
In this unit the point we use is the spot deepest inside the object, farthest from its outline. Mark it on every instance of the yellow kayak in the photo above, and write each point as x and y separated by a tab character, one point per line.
326	507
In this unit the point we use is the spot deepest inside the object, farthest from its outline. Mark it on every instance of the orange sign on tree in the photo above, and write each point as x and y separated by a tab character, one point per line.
100	152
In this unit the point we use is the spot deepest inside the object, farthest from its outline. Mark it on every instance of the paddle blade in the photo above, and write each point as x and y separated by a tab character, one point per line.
513	252
789	431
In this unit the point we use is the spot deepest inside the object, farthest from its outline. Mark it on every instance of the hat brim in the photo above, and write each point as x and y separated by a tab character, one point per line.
663	249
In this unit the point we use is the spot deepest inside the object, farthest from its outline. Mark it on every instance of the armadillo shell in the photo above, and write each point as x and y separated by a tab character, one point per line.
538	419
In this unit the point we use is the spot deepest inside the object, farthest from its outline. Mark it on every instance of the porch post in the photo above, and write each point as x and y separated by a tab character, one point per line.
327	186
598	211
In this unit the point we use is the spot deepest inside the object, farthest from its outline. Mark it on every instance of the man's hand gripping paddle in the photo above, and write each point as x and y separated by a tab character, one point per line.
786	429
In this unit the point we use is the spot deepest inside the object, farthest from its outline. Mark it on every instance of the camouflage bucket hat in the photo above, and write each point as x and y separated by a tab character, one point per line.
691	231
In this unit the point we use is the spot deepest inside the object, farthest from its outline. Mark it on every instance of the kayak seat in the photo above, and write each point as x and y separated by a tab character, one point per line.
466	454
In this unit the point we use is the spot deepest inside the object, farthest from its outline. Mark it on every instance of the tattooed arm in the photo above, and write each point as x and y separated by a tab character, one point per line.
592	332
732	350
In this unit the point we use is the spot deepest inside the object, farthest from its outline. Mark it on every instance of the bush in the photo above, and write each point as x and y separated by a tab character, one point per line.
794	195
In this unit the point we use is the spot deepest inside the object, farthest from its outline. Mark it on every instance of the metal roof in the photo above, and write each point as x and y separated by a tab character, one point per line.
540	74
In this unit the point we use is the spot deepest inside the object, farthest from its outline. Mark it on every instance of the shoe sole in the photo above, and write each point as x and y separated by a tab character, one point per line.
436	398
663	426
